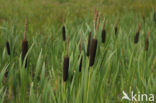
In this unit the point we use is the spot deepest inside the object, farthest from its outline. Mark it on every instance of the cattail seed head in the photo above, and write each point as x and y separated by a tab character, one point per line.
24	45
24	50
136	38
64	32
66	63
93	52
65	68
103	35
8	47
116	29
89	43
147	42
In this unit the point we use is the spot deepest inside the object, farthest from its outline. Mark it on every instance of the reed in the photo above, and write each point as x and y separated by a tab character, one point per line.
147	42
66	63
89	43
8	47
136	38
103	34
24	45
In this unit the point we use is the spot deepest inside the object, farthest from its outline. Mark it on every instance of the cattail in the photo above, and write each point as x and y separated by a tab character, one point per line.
136	38
89	42
93	46
93	51
24	45
66	63
147	42
8	47
116	29
103	35
64	32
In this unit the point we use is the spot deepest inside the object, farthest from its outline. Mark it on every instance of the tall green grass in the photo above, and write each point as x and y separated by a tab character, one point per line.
119	63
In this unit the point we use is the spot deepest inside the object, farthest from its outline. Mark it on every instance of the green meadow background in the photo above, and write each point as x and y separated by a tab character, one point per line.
120	65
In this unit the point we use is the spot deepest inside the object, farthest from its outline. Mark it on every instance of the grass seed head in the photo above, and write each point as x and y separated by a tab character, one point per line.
89	43
116	28
8	47
93	52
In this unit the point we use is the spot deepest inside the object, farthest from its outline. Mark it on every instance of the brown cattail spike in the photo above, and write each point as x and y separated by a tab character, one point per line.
8	47
64	32
89	43
103	35
136	38
147	42
66	63
65	68
93	51
24	45
116	28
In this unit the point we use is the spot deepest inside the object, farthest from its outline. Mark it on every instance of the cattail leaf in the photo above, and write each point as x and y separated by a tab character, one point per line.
38	65
2	73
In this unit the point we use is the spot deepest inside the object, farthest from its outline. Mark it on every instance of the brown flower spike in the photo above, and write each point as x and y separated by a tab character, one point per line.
24	45
8	47
94	43
136	38
66	63
103	34
147	42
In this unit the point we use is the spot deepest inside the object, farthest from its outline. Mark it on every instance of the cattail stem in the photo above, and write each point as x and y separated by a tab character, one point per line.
89	43
8	47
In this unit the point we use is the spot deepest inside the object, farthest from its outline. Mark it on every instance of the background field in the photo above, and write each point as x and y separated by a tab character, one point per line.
119	65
